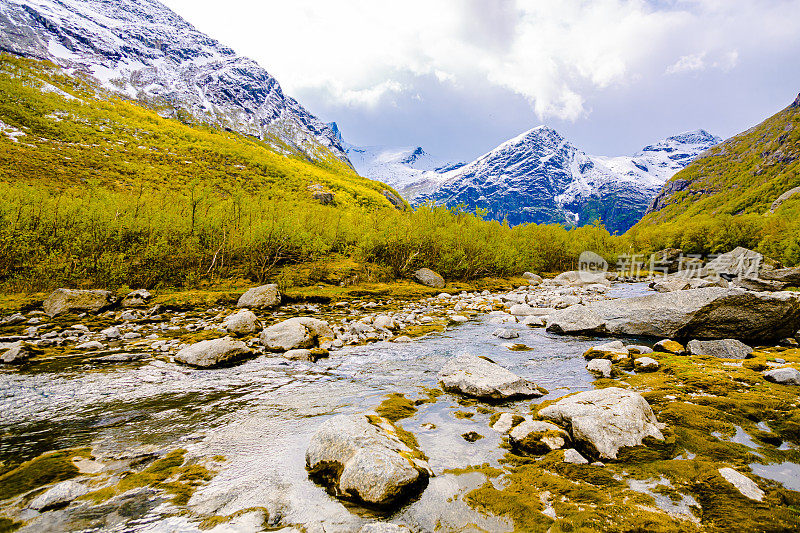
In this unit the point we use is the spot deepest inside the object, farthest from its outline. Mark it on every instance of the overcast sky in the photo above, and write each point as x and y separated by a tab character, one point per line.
459	77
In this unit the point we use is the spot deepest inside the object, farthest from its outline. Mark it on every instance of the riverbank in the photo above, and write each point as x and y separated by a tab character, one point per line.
156	445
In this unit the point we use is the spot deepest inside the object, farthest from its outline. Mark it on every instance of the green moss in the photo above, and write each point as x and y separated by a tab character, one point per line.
8	526
43	470
396	407
463	414
169	473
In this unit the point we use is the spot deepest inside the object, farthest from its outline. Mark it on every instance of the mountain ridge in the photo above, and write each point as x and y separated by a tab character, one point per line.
144	50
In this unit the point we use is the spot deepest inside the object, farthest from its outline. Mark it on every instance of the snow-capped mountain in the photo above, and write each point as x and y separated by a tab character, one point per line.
540	177
411	171
142	49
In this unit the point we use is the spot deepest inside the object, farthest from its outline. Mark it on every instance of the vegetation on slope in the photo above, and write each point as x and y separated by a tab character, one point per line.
99	191
723	198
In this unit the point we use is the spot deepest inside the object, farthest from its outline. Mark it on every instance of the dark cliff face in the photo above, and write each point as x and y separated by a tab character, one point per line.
142	49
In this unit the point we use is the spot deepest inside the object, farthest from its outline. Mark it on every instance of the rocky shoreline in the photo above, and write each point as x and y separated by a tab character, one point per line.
650	402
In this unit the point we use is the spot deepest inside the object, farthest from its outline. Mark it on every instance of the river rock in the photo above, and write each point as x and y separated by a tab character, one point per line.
384	322
537	437
383	527
482	378
724	348
361	458
260	297
789	276
212	352
521	310
243	322
532	278
670	346
15	352
577	278
573	456
62	301
294	333
58	494
743	484
303	354
137	298
710	313
506	421
429	278
575	320
783	376
758	284
505	333
13	320
605	420
600	366
739	262
614	350
111	333
671	283
645	364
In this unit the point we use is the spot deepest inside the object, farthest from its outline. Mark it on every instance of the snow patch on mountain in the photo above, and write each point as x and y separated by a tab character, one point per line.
141	49
411	171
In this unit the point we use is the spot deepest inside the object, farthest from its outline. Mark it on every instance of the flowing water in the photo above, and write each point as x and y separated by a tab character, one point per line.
261	414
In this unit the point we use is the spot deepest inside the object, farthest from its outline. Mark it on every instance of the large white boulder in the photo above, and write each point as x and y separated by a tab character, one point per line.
723	348
605	420
360	457
62	301
212	352
262	296
295	333
243	322
481	378
710	313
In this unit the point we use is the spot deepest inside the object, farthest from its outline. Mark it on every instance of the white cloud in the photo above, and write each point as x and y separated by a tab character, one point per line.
688	63
555	54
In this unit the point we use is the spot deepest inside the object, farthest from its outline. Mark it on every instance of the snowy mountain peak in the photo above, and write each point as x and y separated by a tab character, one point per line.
142	49
538	176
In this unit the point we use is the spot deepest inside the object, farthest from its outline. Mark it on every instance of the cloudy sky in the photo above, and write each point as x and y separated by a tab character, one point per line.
459	77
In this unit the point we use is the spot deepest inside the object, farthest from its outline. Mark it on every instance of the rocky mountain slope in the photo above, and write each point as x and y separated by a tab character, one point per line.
541	177
753	172
141	49
410	170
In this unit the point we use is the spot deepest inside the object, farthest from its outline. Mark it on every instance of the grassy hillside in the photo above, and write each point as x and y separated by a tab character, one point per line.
723	198
99	191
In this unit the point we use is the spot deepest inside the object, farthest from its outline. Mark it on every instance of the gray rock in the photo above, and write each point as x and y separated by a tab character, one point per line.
90	345
58	494
671	283
13	320
62	301
577	278
505	333
294	333
784	376
605	420
481	378
600	366
383	527
137	298
259	297
573	456
645	364
638	349
361	458
111	333
758	284
384	322
243	322
15	352
403	339
429	278
537	437
302	354
724	348
614	350
533	278
576	319
212	352
789	276
710	313
743	484
521	310
739	262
